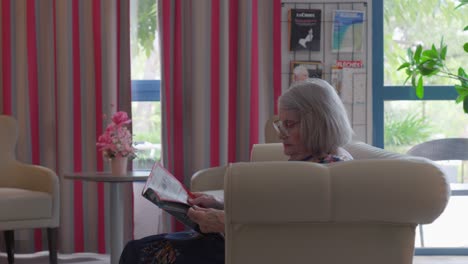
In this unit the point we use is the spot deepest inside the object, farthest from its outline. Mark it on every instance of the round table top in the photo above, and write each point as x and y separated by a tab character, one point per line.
107	176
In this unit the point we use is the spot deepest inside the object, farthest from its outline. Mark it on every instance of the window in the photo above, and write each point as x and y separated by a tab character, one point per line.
400	119
146	72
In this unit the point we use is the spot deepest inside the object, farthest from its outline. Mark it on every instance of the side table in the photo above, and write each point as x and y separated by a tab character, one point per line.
116	211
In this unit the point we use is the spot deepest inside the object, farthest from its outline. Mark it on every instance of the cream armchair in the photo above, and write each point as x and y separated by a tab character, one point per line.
362	211
29	194
213	178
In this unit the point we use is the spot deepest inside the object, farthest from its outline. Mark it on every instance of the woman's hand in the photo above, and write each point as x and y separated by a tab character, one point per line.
205	201
210	220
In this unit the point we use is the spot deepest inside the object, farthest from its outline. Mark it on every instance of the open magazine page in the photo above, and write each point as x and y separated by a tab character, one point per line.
164	190
166	186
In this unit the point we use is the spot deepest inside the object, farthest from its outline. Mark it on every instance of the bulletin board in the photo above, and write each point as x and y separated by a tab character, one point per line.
331	41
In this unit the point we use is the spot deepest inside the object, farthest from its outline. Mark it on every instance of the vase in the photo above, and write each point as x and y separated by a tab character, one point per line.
119	166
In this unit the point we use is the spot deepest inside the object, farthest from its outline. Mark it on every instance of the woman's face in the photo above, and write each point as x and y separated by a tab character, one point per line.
291	136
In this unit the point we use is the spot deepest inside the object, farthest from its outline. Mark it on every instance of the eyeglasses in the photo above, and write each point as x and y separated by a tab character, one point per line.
283	127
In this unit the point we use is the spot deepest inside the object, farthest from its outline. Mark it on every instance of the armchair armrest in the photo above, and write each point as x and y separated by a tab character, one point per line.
393	191
208	179
34	178
30	177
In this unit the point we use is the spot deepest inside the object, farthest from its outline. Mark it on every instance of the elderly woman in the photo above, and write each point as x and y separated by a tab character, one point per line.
313	126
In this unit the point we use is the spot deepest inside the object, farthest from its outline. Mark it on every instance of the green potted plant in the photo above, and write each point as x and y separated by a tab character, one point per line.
426	63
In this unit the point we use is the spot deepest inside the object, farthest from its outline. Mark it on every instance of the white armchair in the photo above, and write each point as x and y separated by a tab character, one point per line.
29	194
362	211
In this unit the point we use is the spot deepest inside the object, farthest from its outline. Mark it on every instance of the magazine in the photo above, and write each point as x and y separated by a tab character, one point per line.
337	78
304	29
348	31
337	72
314	69
169	194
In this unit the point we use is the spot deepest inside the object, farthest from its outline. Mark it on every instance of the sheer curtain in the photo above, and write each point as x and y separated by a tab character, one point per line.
64	65
220	79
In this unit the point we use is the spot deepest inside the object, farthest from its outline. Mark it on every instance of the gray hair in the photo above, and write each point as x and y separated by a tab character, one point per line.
324	121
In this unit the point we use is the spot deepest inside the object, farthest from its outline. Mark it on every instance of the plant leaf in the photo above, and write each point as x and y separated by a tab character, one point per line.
462	73
465	105
413	79
465	47
417	54
463	77
420	88
407	78
429	67
462	3
443	52
408	72
462	93
431	54
410	55
465	29
404	65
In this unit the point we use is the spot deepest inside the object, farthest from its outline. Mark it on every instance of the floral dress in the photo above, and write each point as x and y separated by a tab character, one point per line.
184	247
180	247
332	158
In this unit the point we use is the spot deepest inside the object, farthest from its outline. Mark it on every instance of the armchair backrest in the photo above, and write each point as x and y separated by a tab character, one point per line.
213	178
8	138
361	211
271	136
33	187
359	150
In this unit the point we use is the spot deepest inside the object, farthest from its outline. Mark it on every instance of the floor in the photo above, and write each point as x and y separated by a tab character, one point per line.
91	258
440	260
43	258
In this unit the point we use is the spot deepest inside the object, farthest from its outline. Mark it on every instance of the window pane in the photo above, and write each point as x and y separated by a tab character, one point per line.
410	122
408	23
145	65
144	40
450	229
147	133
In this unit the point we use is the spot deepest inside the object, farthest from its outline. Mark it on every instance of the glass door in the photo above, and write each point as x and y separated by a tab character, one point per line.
401	120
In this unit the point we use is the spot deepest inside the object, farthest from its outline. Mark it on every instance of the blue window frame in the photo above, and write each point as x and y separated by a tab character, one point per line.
146	90
382	93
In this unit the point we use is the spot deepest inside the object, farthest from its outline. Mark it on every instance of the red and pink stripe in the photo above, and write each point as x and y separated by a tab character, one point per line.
178	101
254	79
233	72
33	95
77	128
98	119
54	23
177	95
215	85
6	57
166	31
276	53
174	132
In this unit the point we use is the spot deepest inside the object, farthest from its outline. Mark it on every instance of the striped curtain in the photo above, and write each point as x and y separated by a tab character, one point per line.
65	63
221	62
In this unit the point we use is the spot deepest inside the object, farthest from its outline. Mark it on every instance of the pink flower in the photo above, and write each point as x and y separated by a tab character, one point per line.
120	118
110	127
117	139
